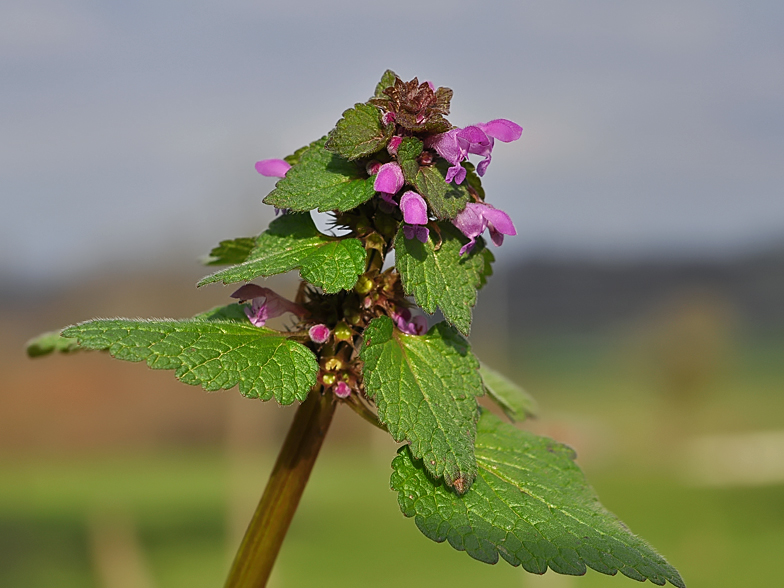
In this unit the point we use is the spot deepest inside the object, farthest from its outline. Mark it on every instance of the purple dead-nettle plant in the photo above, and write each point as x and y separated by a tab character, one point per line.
394	174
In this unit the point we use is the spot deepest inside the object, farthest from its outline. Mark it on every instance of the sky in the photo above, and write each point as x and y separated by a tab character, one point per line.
129	130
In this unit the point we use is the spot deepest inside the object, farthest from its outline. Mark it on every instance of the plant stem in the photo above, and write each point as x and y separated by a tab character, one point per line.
264	537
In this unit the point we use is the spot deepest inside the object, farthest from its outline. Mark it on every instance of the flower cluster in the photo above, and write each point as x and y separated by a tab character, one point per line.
412	115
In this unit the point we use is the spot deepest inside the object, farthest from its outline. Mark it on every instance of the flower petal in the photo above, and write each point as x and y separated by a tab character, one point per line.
273	168
498	220
470	220
414	208
502	129
389	178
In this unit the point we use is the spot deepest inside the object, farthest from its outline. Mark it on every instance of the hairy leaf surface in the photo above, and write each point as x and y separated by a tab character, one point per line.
531	505
443	278
322	180
217	354
293	242
425	388
516	403
359	133
445	200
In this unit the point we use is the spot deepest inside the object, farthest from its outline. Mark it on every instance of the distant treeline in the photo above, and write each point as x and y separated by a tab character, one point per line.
565	294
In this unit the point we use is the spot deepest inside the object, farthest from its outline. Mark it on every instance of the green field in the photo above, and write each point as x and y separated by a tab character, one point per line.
168	516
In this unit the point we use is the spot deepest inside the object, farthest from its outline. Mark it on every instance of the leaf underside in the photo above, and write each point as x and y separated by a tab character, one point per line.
443	278
216	354
425	388
324	181
531	505
293	242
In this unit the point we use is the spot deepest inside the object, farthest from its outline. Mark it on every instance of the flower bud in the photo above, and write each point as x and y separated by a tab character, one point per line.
364	285
342	390
343	332
328	379
319	334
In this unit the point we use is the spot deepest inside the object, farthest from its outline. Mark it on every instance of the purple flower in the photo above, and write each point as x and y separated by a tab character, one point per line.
319	333
342	390
265	304
389	179
420	232
273	168
455	145
393	144
404	322
414	210
476	217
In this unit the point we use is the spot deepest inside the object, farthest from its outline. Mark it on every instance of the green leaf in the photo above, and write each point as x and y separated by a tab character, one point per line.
445	200
387	81
231	312
324	181
531	505
50	342
215	354
231	251
425	388
516	403
293	242
359	133
293	159
407	153
443	278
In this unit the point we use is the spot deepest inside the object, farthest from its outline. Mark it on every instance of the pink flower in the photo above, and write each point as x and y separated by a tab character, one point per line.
389	179
414	210
476	217
404	322
319	333
342	390
273	168
455	145
265	304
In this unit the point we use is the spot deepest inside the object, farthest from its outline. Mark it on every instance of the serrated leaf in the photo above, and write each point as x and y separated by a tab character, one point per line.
293	159
443	278
322	180
231	251
215	354
407	153
445	200
425	388
387	81
50	342
516	403
359	133
293	242
531	505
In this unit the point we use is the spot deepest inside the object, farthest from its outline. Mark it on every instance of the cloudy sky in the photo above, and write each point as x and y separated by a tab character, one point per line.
130	129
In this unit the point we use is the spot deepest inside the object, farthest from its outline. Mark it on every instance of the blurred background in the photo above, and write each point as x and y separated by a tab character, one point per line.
642	302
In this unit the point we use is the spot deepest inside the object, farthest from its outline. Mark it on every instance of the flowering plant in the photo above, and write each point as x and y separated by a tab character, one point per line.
393	175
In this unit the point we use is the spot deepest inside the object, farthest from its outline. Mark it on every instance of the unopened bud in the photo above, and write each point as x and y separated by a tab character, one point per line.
333	364
372	167
364	285
328	379
319	333
343	332
342	390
